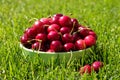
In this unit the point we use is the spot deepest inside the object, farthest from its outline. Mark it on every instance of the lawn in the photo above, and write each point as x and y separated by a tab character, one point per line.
103	16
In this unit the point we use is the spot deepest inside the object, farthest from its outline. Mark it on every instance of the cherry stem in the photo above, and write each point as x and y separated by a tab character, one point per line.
72	28
31	20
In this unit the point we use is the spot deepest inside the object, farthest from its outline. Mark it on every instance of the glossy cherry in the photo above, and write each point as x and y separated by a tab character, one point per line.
89	40
69	47
80	44
41	36
97	65
53	27
56	46
65	21
64	30
53	35
67	38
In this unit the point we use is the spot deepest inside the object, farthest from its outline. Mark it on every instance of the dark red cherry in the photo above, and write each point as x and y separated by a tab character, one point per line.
41	36
53	27
53	35
64	30
56	46
80	44
65	21
69	47
67	38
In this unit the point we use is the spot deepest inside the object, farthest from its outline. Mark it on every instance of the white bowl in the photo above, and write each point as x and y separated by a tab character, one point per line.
47	56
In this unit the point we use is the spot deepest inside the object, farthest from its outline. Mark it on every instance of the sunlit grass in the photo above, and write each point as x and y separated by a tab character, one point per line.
103	16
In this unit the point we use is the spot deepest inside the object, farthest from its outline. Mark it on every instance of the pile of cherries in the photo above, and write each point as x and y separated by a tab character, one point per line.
58	33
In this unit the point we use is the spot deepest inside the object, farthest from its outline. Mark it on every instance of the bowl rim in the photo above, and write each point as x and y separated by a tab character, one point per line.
41	52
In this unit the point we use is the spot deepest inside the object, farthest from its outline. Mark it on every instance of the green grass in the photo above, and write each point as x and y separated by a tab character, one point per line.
103	16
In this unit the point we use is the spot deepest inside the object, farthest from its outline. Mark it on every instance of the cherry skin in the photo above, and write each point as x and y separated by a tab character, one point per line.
38	26
93	34
80	44
83	31
85	69
24	39
65	21
67	38
56	46
97	65
45	21
58	15
90	40
50	50
64	30
74	22
69	47
55	19
36	46
53	35
41	36
53	27
76	36
31	33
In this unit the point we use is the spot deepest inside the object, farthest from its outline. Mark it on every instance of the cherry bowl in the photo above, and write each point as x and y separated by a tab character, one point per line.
61	56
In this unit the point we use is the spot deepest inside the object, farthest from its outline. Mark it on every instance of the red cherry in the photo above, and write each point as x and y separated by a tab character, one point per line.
85	69
76	36
65	21
83	31
74	22
50	50
90	40
38	26
55	20
64	30
24	39
80	44
45	21
93	34
97	65
53	35
36	46
53	27
67	38
56	46
58	15
69	47
31	33
41	36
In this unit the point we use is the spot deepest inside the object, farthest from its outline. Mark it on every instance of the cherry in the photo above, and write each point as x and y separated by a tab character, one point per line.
36	46
56	46
90	40
50	50
45	21
65	21
80	44
76	36
83	31
31	33
55	19
24	39
93	34
64	30
69	47
85	69
38	26
41	36
97	65
53	35
53	27
74	22
58	15
67	38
